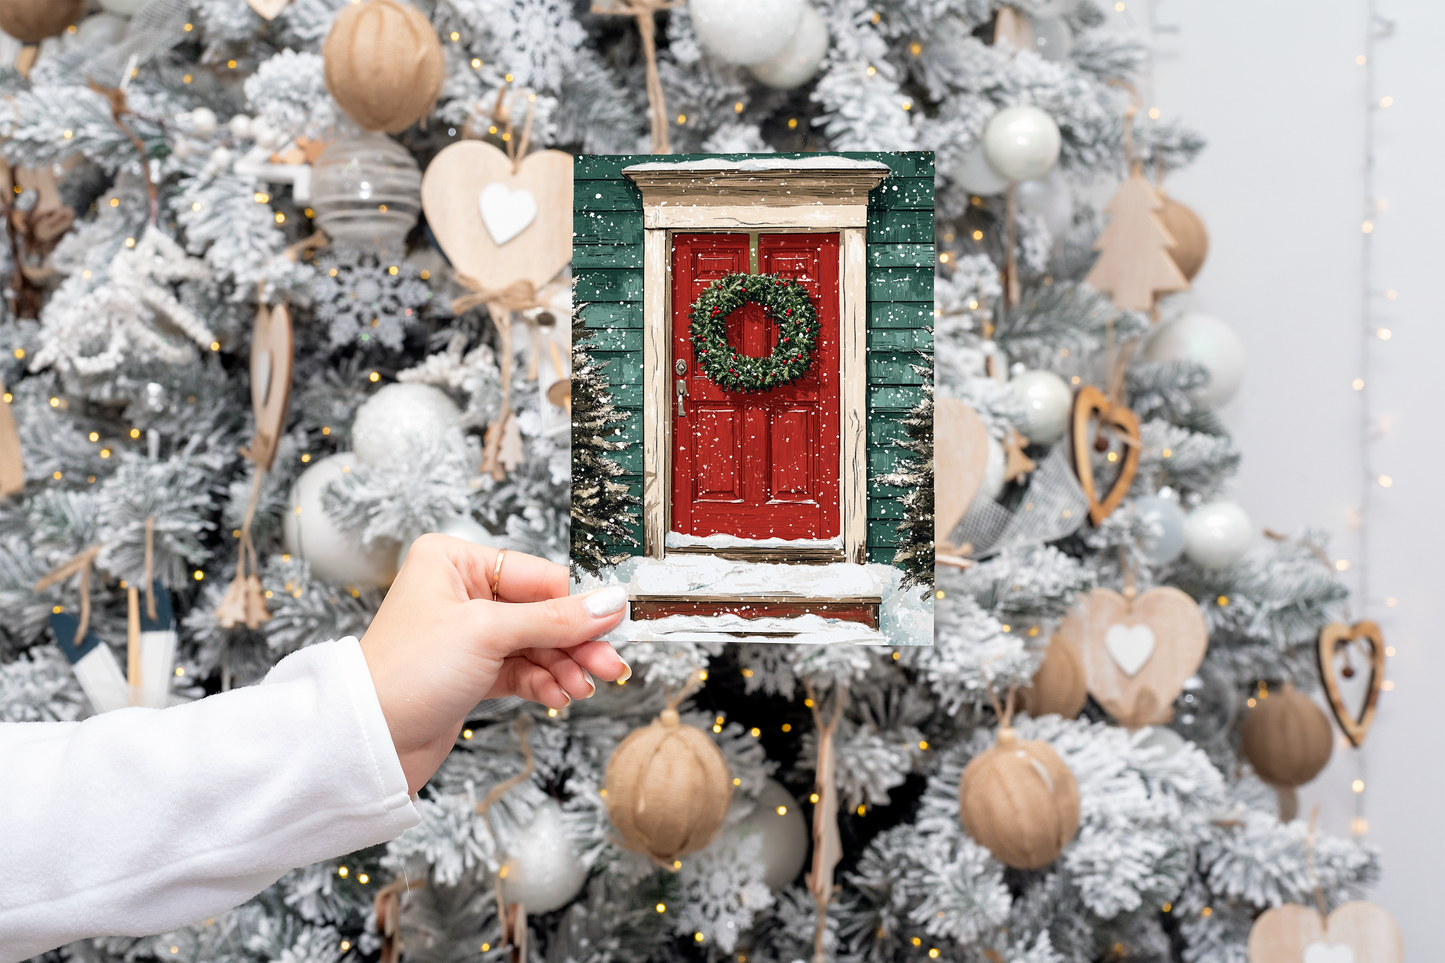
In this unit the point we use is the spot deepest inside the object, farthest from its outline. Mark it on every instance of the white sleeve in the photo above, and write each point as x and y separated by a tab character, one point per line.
142	820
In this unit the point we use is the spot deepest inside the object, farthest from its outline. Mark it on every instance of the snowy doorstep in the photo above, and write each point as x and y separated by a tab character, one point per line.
905	616
721	540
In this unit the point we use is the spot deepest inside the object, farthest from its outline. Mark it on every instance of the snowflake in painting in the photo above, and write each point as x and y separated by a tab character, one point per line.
364	297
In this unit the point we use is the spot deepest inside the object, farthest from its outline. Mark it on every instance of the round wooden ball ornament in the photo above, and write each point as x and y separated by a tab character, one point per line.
1060	687
1286	738
668	789
383	64
1019	801
1191	240
31	21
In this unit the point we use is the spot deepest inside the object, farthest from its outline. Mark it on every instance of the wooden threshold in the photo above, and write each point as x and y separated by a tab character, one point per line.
766	553
863	609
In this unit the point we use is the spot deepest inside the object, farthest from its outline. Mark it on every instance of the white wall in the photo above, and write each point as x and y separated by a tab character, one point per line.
1275	88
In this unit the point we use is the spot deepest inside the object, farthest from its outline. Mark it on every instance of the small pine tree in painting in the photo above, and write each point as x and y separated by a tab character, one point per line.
600	503
915	474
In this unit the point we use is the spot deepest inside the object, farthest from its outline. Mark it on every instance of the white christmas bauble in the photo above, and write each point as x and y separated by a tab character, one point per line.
778	819
1052	38
402	421
221	158
203	121
544	872
1048	197
263	133
1048	401
745	31
1165	738
1165	515
1207	341
1021	143
183	147
1217	534
240	125
993	471
799	61
101	30
123	7
334	555
975	176
464	527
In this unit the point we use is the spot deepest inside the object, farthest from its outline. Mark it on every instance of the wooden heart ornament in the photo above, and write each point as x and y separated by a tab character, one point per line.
497	226
268	9
1089	404
1137	656
1356	932
960	455
1332	637
272	356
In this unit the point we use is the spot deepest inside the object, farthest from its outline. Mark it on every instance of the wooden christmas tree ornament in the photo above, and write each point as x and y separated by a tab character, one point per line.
668	789
1332	638
384	64
1356	932
1019	801
1286	738
960	454
1091	405
31	21
1137	654
1191	240
1059	685
1134	265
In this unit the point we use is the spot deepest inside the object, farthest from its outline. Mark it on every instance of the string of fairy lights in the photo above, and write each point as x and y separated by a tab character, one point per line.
1374	333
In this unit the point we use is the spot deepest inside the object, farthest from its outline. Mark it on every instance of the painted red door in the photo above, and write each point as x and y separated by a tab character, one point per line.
761	464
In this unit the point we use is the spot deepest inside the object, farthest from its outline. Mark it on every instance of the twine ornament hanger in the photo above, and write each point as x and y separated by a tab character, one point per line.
81	562
643	11
827	842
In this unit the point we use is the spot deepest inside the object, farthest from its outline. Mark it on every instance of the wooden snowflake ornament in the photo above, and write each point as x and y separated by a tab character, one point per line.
1134	265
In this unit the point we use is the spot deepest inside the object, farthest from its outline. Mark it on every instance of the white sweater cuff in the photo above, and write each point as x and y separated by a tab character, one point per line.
142	820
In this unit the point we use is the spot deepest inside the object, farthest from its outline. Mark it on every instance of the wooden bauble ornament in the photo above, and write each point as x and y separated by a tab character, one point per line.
668	789
1286	738
31	21
1019	801
1332	636
384	64
1090	404
1191	240
1356	932
1137	656
1134	265
960	454
454	189
1059	686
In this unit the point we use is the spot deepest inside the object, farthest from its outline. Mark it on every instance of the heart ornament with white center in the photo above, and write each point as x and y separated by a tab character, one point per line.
1137	652
1356	932
500	222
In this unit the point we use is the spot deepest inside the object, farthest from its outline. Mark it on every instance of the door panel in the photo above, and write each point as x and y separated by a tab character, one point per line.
761	464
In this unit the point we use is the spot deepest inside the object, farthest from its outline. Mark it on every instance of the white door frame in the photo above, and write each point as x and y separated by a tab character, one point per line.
816	194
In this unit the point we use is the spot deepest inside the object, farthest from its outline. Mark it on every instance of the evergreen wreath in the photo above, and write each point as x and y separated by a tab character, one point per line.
786	303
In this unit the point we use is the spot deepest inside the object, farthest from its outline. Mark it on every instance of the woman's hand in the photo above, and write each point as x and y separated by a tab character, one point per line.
441	643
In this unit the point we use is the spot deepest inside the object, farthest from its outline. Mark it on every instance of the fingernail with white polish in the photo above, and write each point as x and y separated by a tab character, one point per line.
606	602
626	672
587	677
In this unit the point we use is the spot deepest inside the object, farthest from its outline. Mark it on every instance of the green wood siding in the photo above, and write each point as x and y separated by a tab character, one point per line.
607	263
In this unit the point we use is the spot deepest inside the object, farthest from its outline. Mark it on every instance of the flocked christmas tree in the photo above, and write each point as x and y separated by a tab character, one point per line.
197	147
